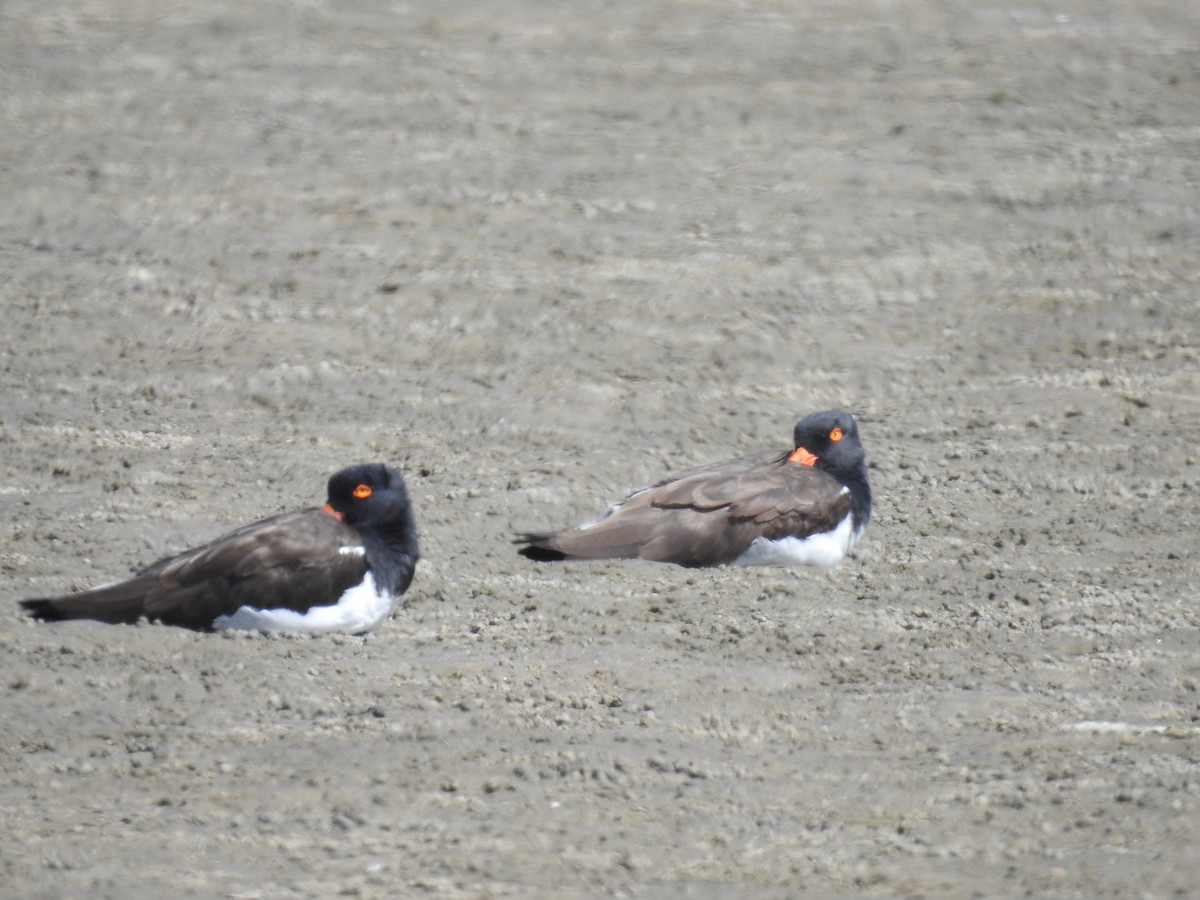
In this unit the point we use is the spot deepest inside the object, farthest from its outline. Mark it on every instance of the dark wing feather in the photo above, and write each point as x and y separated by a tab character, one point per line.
289	561
707	515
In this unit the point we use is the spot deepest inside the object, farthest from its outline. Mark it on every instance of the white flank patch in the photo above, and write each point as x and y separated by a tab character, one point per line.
824	549
352	551
360	609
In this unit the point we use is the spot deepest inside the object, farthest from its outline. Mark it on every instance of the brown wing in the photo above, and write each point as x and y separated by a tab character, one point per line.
291	561
709	515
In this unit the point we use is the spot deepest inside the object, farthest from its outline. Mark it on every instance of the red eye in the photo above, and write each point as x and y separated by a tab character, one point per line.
836	434
362	492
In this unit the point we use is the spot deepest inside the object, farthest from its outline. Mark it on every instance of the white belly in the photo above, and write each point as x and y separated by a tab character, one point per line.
360	609
824	549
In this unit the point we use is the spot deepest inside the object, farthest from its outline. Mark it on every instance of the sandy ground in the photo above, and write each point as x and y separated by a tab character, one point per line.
538	254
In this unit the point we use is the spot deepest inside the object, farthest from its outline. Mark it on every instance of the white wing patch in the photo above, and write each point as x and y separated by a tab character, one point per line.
612	508
352	551
824	549
360	609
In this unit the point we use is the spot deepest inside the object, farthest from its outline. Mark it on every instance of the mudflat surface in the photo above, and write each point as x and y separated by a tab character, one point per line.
538	255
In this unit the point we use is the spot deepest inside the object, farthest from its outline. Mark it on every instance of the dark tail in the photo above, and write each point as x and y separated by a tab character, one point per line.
536	550
105	605
42	609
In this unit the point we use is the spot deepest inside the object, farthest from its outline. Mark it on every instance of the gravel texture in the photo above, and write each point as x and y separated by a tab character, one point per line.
537	255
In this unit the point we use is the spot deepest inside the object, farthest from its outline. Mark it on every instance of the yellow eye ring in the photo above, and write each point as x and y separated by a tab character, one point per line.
836	434
362	492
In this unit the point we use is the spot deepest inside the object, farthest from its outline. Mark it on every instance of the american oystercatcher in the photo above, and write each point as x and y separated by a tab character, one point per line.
342	567
807	505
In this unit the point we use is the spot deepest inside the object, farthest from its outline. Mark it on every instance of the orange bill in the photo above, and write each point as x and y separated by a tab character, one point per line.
802	456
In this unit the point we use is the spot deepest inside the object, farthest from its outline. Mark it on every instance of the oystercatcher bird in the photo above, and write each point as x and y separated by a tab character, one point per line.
807	505
342	567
